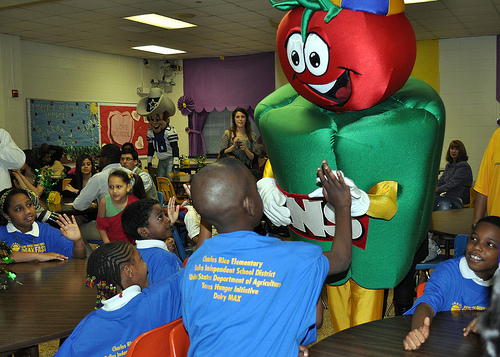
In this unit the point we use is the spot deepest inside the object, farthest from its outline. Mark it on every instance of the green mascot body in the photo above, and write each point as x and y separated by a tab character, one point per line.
397	140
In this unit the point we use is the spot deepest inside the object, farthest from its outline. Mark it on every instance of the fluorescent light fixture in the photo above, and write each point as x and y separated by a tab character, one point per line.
158	49
160	21
417	1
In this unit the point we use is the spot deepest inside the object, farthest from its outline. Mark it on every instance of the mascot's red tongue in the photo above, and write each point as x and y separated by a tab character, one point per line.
344	93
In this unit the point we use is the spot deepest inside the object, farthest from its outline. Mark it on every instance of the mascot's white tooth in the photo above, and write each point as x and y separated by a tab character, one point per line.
323	88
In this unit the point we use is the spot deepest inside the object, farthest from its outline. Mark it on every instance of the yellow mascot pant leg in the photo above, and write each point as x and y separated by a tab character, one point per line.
352	305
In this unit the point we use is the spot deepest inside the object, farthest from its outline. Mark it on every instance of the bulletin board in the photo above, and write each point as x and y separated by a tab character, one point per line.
83	127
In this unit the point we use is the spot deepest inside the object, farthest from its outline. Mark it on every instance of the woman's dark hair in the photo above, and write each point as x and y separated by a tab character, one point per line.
137	187
248	128
78	169
32	160
136	215
104	268
462	153
5	199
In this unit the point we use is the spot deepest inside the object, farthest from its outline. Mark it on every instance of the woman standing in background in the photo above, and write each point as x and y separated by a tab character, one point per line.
240	139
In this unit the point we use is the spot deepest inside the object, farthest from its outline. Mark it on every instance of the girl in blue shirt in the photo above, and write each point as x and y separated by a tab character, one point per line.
30	240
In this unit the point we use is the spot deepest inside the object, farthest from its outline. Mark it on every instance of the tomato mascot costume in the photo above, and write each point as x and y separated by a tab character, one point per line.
351	100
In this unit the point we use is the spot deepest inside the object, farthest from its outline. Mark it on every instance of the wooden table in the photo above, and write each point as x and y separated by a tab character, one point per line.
449	223
51	302
178	181
385	338
66	206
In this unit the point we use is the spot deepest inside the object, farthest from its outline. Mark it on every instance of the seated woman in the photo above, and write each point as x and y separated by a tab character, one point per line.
30	174
240	139
457	176
50	157
84	170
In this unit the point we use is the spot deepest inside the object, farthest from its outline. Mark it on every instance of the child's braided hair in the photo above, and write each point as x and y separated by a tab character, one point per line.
104	269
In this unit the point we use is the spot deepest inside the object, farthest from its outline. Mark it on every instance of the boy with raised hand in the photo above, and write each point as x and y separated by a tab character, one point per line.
147	224
246	294
458	284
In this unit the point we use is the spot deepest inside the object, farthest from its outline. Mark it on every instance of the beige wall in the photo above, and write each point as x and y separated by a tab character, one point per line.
466	82
467	72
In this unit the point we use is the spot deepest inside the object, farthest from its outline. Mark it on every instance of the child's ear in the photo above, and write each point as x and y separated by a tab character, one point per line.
128	270
249	206
143	232
6	216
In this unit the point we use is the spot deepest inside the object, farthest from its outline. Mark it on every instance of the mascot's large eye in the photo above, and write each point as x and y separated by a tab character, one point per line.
317	55
295	52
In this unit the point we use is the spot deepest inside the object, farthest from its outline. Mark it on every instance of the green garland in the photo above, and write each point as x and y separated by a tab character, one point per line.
200	160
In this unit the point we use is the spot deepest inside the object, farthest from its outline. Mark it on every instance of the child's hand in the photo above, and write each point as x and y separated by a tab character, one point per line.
473	326
173	210
335	190
45	257
303	351
417	337
69	227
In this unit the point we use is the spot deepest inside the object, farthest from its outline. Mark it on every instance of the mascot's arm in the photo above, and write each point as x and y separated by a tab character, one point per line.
383	197
383	200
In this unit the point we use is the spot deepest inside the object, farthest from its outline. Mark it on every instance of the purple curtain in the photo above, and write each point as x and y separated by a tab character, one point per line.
237	81
215	83
196	123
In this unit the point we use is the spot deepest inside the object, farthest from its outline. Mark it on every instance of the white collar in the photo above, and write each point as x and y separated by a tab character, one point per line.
467	273
117	301
35	231
151	243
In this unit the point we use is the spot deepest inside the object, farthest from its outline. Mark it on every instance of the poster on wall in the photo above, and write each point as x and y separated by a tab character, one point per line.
83	127
72	125
120	123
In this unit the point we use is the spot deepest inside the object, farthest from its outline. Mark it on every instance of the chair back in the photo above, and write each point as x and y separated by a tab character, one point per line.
154	343
442	203
165	186
160	197
179	341
459	245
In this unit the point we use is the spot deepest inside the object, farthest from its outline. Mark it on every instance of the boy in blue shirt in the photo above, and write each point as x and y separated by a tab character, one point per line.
145	222
458	284
244	294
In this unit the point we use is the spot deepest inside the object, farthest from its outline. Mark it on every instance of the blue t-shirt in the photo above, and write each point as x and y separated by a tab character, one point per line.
249	295
448	290
110	333
49	239
161	263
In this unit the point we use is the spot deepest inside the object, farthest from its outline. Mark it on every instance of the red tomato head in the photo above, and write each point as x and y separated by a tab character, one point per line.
353	62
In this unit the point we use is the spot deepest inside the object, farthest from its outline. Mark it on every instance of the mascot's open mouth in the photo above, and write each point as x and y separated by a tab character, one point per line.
338	91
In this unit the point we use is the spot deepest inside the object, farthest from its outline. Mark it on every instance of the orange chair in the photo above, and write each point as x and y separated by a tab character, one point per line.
420	289
154	343
179	341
